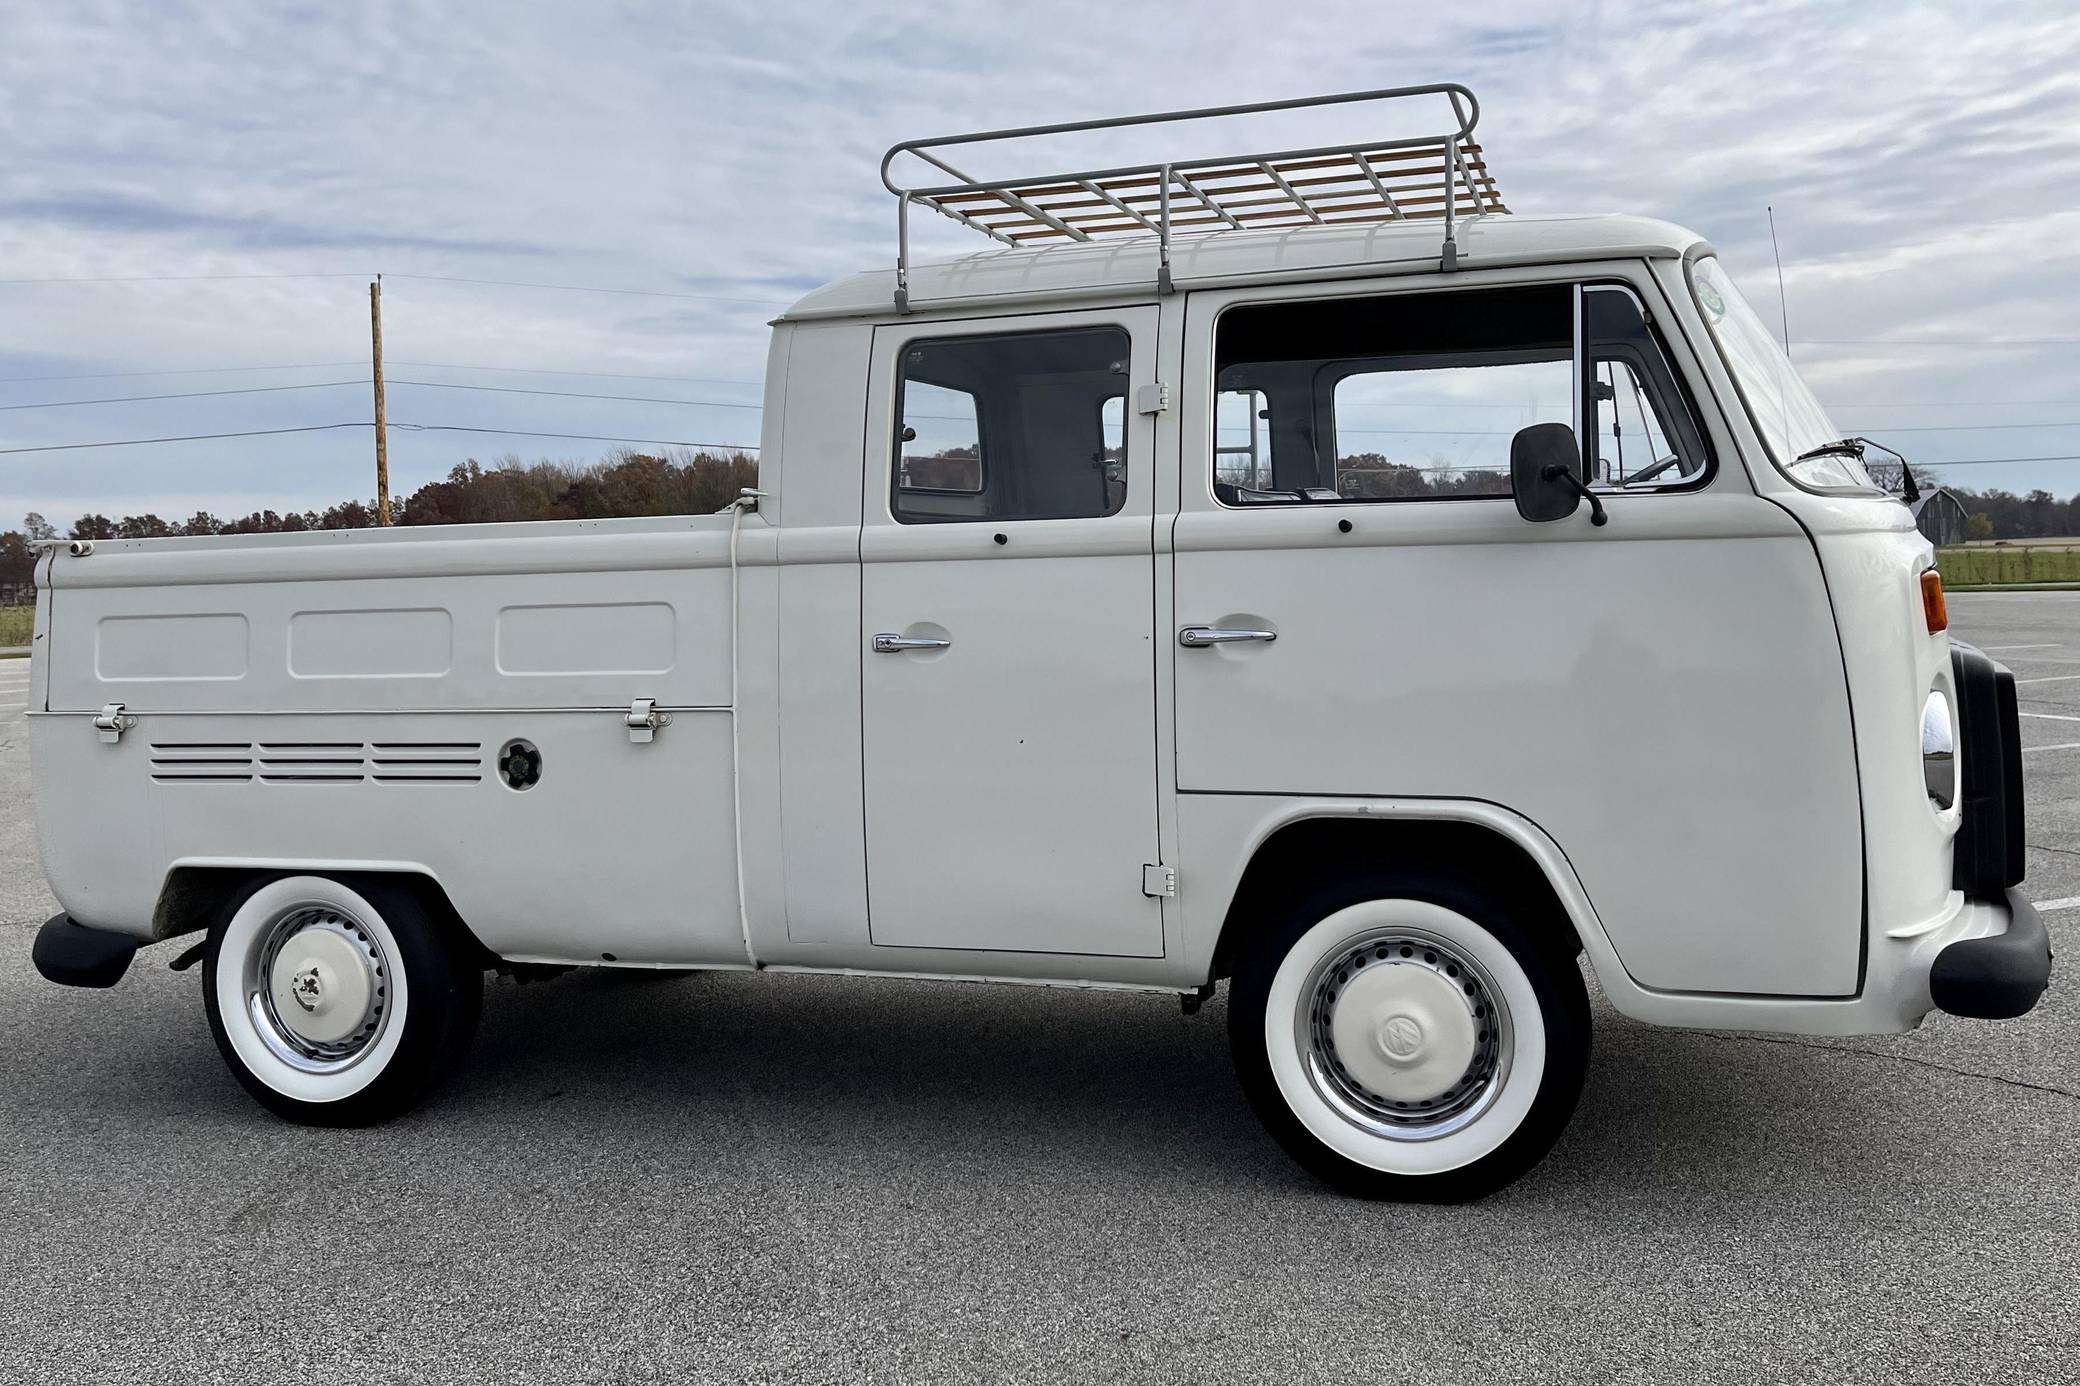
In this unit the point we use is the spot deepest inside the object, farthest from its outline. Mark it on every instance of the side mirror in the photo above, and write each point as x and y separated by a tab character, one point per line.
1545	475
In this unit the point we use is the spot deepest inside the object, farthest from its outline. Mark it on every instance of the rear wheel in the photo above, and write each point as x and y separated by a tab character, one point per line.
339	1005
1409	1039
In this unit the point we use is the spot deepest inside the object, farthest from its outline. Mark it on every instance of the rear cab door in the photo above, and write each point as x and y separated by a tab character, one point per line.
1008	643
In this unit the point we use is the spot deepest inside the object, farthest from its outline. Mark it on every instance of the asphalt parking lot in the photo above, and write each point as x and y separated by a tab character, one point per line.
732	1178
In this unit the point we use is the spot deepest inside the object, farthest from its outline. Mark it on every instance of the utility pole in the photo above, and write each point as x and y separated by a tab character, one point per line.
375	333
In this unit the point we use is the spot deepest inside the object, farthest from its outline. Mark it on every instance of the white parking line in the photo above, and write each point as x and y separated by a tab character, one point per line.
2070	902
2051	645
2055	678
2050	716
2061	746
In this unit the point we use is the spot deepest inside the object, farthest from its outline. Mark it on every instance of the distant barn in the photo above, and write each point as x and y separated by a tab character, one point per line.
1940	517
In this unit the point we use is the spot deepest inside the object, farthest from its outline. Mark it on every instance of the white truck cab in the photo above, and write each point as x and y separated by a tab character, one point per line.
1288	568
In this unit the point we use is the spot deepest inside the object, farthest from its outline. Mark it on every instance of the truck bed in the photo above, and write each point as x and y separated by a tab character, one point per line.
283	695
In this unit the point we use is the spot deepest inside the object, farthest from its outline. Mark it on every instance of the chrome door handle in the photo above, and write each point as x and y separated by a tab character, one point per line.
896	644
1199	637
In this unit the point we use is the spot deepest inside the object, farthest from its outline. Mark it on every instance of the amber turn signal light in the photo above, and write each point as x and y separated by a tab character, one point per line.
1932	602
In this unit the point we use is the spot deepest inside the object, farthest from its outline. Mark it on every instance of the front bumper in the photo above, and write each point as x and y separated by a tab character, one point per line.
1997	976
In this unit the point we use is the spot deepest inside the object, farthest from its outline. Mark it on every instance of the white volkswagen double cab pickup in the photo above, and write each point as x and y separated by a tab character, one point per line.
1287	568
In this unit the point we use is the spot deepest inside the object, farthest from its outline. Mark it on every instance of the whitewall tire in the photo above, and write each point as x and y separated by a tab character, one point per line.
1409	1039
339	1003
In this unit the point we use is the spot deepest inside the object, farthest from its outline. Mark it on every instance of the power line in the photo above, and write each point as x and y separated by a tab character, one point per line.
1939	341
1953	404
1972	427
597	375
581	437
187	438
734	404
371	274
191	370
178	278
1990	461
184	394
574	394
591	289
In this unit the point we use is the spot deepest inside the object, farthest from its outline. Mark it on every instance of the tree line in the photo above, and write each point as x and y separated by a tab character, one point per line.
625	483
637	483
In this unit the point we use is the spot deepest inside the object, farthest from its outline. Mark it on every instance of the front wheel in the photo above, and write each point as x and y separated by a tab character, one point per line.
1408	1040
339	1005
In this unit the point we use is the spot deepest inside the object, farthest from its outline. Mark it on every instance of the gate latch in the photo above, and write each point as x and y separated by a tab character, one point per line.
1159	881
644	719
113	722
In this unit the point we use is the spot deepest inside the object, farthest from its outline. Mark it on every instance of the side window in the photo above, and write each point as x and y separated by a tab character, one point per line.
941	440
1418	396
1645	436
1429	427
1242	443
1025	426
1392	397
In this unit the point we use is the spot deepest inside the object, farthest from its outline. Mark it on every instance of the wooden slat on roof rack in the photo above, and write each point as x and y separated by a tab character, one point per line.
1441	177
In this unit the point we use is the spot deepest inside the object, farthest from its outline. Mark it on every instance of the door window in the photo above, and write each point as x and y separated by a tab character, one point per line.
1025	426
1418	396
1644	437
1241	444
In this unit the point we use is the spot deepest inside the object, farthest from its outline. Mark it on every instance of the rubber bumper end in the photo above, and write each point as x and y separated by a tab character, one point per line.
1997	977
74	955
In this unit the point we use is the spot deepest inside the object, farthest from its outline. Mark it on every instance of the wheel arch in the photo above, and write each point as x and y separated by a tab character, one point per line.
196	892
1499	849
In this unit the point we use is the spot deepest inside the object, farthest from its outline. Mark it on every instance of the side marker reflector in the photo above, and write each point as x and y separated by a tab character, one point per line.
1932	605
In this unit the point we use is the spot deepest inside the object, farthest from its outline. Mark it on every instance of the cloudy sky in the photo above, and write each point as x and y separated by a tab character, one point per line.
192	198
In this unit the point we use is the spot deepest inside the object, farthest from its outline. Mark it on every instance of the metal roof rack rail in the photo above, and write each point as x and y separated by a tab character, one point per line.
1421	176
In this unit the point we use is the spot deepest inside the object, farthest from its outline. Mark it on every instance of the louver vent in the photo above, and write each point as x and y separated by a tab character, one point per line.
317	762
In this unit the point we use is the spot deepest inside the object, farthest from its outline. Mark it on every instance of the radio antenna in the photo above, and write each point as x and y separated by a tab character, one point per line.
1783	312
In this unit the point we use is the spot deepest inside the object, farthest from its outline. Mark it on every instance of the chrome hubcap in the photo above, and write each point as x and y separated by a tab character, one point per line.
1404	1035
317	988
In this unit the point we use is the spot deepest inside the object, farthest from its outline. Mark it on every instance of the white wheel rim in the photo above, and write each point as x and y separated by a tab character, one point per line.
309	989
1408	1062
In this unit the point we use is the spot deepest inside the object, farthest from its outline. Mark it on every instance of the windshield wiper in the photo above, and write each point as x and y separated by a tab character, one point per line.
1910	490
1851	447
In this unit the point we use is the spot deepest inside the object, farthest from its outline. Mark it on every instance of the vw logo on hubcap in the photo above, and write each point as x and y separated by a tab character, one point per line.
1400	1036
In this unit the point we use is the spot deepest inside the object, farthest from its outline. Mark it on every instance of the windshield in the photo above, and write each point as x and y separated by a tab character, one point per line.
1790	420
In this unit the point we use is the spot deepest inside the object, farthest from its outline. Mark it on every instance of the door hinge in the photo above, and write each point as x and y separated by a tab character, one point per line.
1153	398
1159	882
644	719
113	722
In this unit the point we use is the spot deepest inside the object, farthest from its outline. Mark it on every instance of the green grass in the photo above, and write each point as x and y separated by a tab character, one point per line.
2013	565
15	623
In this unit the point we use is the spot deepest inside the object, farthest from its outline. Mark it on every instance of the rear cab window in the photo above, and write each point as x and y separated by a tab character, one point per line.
1019	426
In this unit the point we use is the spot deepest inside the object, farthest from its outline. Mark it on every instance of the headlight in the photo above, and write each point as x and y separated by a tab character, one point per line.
1938	751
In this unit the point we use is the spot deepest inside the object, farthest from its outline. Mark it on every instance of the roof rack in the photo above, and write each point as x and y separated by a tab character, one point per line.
1439	176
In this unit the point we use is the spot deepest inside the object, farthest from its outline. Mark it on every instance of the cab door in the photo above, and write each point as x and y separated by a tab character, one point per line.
1361	611
1008	638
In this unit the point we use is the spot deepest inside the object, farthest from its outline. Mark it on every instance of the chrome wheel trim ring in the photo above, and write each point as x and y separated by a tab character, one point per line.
264	1011
1467	1098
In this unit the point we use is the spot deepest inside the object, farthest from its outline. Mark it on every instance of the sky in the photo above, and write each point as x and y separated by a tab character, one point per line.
194	198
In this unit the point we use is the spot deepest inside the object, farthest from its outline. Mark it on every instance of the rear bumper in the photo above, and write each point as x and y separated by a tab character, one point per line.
1997	976
75	955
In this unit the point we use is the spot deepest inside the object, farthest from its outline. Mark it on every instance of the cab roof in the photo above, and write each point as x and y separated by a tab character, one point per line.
1111	269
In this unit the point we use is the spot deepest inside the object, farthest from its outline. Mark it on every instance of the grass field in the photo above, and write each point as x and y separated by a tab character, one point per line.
1982	565
15	622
